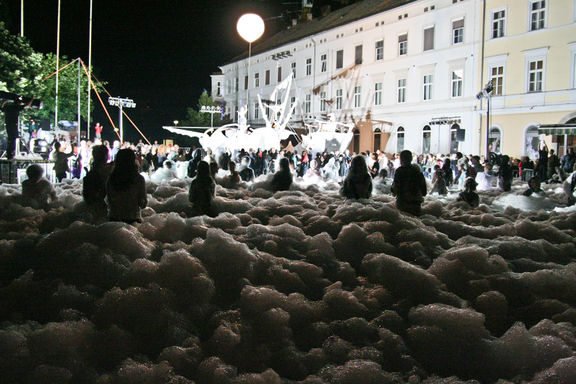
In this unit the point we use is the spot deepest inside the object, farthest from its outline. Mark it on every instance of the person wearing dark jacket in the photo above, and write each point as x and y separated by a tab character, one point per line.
282	180
505	174
193	163
201	193
409	185
358	182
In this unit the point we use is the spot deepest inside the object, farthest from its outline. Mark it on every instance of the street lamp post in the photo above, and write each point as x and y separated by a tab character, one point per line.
211	110
250	27
121	103
486	93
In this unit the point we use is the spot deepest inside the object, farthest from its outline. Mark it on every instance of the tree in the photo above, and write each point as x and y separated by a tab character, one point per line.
19	64
194	118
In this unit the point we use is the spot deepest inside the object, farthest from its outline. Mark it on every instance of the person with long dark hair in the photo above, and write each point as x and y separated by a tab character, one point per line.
202	188
125	189
94	183
282	179
358	181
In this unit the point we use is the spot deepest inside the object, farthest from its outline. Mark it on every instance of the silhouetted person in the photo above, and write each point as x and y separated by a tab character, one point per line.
202	188
37	191
60	160
12	109
125	189
448	174
233	178
282	180
469	194
505	174
358	181
94	183
409	185
534	186
439	181
193	163
542	169
246	173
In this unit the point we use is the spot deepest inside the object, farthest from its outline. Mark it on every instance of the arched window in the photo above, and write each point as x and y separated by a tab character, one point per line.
356	141
400	139
377	139
531	141
495	140
426	139
454	138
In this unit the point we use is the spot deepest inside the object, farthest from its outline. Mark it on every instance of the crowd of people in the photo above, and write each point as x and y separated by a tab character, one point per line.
114	176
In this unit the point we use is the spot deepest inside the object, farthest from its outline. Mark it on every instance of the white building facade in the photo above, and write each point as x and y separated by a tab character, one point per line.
406	76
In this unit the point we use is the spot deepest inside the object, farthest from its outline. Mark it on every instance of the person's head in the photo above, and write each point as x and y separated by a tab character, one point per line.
57	146
436	167
125	160
99	154
551	152
470	184
358	165
167	164
405	157
383	173
203	169
34	172
284	164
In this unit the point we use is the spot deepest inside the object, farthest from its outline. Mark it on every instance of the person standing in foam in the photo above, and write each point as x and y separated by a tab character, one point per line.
201	193
409	185
94	183
358	182
245	172
469	195
282	180
125	189
37	191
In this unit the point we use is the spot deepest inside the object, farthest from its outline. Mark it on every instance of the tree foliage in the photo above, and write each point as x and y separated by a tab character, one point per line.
195	118
26	72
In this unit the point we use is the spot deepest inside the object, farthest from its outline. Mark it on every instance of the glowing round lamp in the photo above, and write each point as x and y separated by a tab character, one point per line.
250	27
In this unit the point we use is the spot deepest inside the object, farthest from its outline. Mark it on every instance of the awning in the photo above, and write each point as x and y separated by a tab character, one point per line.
557	129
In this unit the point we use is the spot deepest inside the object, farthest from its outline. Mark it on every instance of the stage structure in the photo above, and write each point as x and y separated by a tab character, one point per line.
329	136
232	137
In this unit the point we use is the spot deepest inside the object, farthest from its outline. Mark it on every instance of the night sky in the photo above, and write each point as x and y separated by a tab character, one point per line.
158	53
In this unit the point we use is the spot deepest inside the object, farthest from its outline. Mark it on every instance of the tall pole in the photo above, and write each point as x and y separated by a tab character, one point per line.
89	73
22	18
57	66
78	121
121	125
487	127
482	69
248	106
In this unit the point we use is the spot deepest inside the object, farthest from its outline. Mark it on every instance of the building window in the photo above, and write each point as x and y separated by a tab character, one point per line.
428	80
537	14
218	89
497	78
531	142
323	66
323	101
339	59
308	103
380	50
454	138
267	77
377	139
293	66
358	55
498	24
403	44
338	99
279	79
357	96
256	79
308	67
457	82
535	75
401	90
458	31
400	139
256	111
246	82
495	140
236	85
428	38
426	139
378	94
